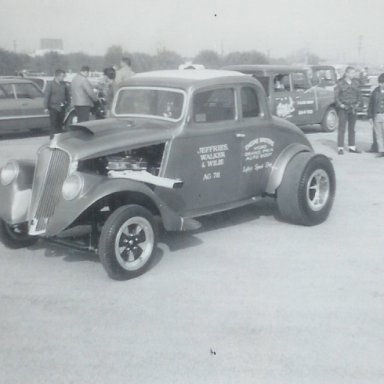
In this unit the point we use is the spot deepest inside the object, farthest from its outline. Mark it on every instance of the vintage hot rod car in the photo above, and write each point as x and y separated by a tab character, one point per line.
180	144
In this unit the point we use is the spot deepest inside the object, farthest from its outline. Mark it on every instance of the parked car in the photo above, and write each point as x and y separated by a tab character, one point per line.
292	96
40	81
180	145
97	112
21	106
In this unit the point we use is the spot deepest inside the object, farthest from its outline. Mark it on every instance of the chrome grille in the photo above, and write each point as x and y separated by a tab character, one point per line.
50	173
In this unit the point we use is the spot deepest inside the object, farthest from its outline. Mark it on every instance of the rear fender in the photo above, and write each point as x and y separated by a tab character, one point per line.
280	165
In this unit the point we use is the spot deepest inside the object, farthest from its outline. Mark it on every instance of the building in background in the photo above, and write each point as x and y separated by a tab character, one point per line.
49	45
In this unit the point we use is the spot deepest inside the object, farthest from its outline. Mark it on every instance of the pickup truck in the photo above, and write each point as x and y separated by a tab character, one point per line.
296	94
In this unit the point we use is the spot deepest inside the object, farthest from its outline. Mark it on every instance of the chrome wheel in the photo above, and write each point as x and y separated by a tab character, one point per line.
134	243
318	190
331	120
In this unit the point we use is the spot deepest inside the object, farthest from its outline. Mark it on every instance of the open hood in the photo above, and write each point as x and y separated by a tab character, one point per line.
102	137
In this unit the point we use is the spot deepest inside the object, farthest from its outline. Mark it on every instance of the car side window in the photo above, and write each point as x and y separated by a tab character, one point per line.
300	81
7	91
27	91
39	83
214	105
281	82
249	102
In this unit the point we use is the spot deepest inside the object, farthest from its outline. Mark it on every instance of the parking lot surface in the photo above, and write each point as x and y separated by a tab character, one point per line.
246	299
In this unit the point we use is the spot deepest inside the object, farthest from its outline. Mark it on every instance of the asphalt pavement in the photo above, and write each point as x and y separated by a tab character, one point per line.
246	299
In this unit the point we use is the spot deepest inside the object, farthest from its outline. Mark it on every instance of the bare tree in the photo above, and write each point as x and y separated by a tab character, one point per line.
209	58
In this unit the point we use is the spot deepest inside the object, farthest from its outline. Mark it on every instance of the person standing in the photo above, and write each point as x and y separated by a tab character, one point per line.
124	73
83	96
348	98
376	114
56	101
107	87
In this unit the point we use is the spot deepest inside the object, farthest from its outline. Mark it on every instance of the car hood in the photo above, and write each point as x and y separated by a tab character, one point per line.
102	137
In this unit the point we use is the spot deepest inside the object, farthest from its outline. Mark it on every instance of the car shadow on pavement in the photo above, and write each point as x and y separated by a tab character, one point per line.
52	249
310	129
176	241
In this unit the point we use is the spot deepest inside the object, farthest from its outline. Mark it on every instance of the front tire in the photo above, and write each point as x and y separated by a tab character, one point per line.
16	236
128	242
307	190
330	121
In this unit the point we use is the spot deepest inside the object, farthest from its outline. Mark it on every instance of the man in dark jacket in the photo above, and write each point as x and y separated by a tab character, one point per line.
348	98
376	114
83	96
56	100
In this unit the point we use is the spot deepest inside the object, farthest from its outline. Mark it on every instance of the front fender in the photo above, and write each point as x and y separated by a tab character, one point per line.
97	187
280	164
16	196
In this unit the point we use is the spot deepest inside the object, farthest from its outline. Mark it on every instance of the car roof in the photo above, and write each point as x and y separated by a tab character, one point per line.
15	80
322	66
186	78
266	68
47	78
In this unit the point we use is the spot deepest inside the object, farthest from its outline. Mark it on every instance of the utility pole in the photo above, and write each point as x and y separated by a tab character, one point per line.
14	45
359	47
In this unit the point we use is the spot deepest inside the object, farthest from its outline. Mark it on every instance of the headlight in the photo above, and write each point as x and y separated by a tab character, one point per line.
72	187
9	172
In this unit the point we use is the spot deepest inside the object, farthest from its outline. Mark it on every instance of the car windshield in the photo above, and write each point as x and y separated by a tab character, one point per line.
155	102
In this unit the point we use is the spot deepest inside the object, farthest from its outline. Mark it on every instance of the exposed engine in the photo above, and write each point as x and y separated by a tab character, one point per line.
140	159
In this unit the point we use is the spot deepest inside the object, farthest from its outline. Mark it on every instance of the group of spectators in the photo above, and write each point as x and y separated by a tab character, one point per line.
83	98
348	99
82	95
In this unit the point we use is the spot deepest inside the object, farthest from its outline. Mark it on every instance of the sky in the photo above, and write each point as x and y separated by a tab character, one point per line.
328	28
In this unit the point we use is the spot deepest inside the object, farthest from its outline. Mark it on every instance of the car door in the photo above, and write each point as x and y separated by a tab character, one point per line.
32	101
11	110
259	147
305	99
206	154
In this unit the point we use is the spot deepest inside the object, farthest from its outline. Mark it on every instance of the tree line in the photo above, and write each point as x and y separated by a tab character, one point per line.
12	63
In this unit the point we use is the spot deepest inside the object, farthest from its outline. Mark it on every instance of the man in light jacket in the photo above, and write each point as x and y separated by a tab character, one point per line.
83	96
124	73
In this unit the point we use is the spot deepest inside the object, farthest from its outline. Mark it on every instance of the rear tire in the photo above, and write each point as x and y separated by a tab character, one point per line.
330	121
16	236
307	190
128	242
